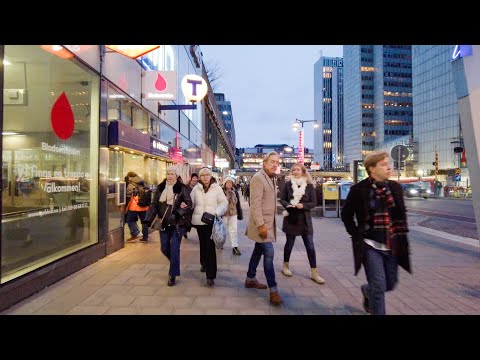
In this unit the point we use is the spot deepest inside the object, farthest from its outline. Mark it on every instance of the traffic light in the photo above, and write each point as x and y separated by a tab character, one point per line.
436	164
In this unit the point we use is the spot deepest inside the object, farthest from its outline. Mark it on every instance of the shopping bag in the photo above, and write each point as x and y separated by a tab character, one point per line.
219	233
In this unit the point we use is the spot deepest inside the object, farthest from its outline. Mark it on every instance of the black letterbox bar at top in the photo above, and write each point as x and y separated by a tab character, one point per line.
176	107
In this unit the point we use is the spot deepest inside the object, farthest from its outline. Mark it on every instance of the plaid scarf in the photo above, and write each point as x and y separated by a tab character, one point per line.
382	203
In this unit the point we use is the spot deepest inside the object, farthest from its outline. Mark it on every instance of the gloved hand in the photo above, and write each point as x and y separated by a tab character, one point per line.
262	231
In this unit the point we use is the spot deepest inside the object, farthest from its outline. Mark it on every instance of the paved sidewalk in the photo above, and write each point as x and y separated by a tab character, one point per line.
446	280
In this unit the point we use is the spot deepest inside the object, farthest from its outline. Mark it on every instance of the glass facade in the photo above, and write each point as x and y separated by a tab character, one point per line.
436	122
393	114
378	96
225	108
355	108
49	157
325	85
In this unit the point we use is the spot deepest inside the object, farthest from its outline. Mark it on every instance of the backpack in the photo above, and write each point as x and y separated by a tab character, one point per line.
144	196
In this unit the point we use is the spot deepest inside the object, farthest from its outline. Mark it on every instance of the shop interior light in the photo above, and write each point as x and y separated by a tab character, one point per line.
6	62
132	51
116	148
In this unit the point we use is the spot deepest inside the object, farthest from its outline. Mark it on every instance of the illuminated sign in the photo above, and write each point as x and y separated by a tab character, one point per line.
301	149
160	85
194	87
132	51
221	162
157	145
461	51
58	50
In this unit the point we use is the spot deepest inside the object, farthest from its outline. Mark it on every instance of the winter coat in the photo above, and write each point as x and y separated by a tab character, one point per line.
356	205
263	206
239	209
213	201
298	221
182	194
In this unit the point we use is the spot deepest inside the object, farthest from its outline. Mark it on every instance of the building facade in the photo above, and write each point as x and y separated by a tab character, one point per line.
75	119
225	108
436	120
328	111
378	97
252	158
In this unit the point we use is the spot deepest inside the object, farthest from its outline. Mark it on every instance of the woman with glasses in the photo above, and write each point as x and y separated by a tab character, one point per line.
207	197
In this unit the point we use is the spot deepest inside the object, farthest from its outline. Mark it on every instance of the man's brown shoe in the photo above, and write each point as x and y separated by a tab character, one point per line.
255	284
275	298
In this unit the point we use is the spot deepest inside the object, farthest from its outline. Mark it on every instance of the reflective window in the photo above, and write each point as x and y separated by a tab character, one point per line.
49	159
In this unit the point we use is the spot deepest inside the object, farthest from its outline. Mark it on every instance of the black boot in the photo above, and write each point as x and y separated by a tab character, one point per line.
236	251
171	280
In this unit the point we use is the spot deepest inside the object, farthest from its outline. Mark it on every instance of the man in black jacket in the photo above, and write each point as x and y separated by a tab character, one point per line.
379	236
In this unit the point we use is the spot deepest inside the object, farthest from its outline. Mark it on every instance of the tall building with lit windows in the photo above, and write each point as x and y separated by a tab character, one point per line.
328	110
378	97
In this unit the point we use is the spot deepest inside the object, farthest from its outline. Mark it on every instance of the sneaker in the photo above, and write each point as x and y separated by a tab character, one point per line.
144	240
254	284
236	251
275	298
366	302
132	238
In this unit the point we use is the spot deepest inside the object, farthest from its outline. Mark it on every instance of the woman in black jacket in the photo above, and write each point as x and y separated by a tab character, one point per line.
171	202
298	198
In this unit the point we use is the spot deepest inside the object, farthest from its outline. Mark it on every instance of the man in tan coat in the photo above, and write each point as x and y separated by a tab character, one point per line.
262	225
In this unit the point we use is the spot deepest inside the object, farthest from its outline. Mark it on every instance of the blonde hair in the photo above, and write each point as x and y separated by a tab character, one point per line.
305	173
374	158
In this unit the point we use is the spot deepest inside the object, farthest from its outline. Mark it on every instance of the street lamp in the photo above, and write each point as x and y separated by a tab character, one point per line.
301	146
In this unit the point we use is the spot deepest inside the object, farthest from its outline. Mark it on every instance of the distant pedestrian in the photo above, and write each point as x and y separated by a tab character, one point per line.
262	227
298	198
135	210
233	214
191	184
379	237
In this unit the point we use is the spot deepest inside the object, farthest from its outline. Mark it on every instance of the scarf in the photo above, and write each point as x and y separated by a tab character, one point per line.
382	203
167	194
298	186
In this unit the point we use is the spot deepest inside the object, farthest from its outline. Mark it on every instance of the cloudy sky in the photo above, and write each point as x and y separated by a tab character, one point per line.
269	86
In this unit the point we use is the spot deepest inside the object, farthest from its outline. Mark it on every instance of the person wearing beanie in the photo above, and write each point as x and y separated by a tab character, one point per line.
207	197
170	200
191	184
233	213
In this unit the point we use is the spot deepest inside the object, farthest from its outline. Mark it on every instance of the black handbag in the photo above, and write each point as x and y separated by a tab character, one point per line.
180	213
208	218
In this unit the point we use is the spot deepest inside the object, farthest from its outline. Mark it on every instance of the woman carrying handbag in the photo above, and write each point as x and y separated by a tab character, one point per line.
170	204
298	198
208	201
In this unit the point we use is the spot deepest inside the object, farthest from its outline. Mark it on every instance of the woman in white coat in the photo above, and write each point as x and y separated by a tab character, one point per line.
207	196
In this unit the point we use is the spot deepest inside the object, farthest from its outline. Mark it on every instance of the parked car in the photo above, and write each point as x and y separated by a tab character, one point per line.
413	190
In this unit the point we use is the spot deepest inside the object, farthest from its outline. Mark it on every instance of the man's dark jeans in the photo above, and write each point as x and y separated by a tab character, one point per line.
382	275
267	250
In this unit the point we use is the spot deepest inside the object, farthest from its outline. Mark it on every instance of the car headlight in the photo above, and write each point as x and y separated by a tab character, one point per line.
428	191
413	192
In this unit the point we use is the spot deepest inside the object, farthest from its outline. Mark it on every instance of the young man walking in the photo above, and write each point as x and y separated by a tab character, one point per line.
379	235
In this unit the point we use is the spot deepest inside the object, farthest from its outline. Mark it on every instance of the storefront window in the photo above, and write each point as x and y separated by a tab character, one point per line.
49	158
115	174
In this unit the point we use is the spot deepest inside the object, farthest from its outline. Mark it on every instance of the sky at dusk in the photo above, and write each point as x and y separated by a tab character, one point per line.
269	86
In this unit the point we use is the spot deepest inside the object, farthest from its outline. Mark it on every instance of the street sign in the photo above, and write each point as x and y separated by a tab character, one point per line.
400	152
